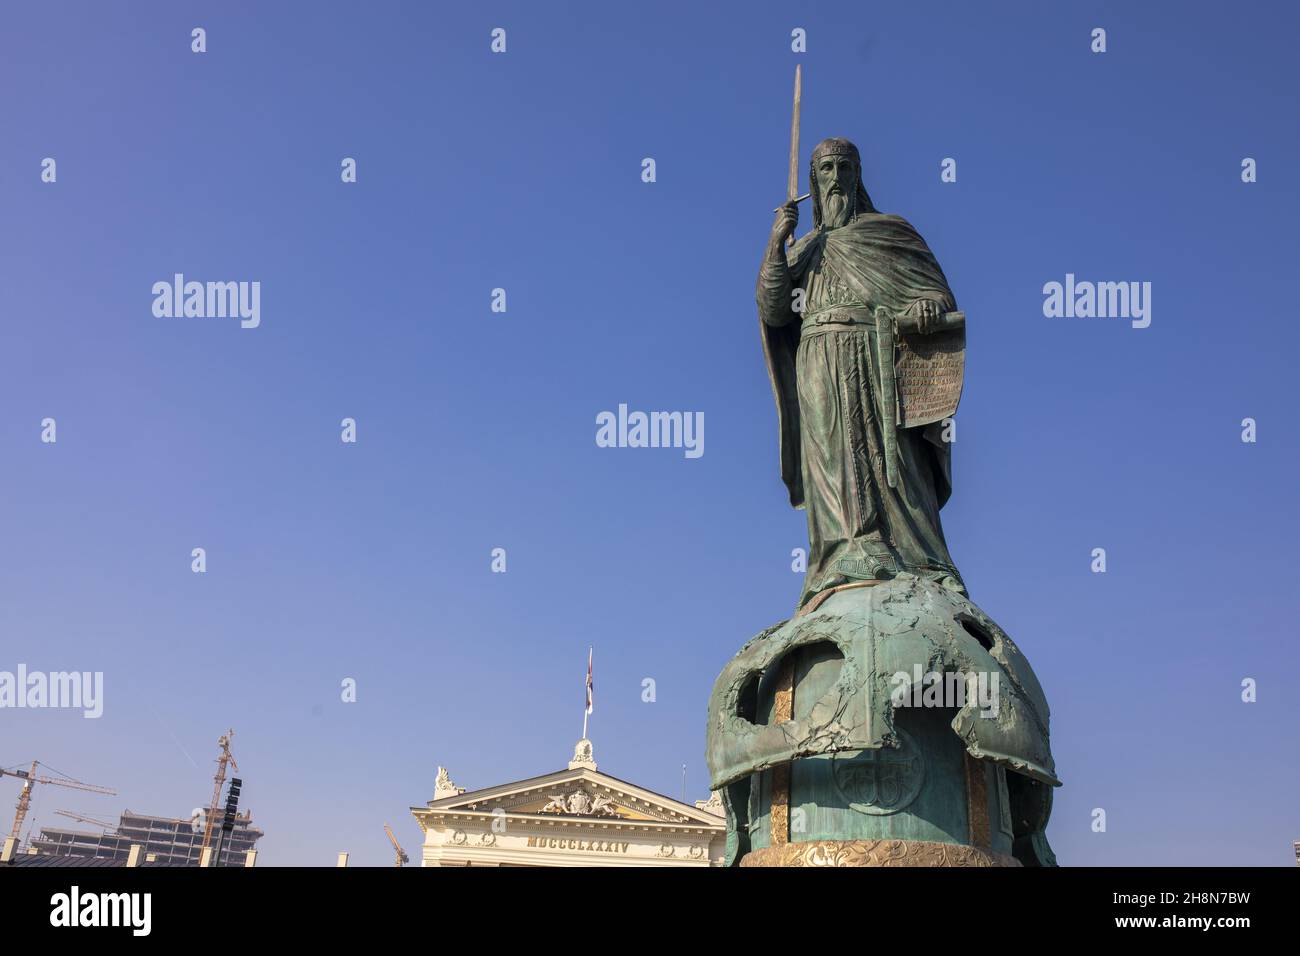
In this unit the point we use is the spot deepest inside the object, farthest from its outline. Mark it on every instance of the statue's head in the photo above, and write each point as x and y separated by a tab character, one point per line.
835	182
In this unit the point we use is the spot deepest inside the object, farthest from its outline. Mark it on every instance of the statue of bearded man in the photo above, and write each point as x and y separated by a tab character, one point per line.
865	351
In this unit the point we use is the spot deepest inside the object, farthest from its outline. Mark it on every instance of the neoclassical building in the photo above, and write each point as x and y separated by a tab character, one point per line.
572	817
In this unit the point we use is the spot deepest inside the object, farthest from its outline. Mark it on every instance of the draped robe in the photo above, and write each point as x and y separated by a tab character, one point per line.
827	384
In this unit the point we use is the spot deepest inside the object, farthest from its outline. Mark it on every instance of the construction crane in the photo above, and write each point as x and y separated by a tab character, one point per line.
30	779
214	811
401	854
84	819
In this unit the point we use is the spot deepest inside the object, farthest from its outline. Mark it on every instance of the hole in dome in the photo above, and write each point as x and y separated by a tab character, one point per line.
977	632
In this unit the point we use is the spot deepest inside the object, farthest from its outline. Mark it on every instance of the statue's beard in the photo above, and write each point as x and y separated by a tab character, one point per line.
835	210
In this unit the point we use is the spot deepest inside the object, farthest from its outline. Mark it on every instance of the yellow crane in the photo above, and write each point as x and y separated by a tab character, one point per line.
85	819
30	779
401	854
215	811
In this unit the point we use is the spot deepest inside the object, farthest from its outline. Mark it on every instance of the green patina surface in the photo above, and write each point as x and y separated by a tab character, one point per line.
865	351
863	767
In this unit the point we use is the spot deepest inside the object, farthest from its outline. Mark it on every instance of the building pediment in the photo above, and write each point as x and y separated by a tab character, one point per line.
576	794
572	817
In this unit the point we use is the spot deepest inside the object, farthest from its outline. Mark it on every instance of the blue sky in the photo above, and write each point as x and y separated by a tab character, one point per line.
476	429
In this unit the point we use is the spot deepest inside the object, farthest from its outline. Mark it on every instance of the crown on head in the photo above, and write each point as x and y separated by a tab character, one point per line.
835	147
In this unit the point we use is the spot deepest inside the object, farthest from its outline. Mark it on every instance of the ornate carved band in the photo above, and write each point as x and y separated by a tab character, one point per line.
875	853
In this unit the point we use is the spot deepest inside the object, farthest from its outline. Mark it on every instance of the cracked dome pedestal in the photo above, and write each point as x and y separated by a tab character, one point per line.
832	741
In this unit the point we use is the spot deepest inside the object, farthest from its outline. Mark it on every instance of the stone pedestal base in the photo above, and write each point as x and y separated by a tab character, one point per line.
875	853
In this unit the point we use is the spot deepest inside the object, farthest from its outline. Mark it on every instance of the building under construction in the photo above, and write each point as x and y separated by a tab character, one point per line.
218	836
162	839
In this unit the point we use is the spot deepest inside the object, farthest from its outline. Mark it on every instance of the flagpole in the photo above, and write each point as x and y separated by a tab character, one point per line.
586	710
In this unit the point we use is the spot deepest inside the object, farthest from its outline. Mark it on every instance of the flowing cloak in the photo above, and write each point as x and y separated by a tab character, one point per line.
887	263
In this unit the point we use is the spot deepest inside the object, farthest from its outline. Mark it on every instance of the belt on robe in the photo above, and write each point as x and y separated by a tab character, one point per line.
836	318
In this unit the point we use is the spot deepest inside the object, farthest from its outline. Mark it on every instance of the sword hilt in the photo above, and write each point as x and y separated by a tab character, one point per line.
789	240
790	200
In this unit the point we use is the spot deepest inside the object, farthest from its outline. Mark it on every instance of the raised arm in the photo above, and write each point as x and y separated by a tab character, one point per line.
775	283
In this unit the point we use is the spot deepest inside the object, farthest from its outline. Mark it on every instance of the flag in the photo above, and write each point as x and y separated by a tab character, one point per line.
590	686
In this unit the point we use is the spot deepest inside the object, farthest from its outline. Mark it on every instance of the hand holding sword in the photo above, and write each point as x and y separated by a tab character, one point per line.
786	221
788	214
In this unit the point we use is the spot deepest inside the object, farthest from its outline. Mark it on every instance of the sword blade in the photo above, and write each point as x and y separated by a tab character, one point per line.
792	189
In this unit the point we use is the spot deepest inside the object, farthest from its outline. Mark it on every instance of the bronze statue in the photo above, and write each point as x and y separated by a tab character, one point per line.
865	349
890	721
